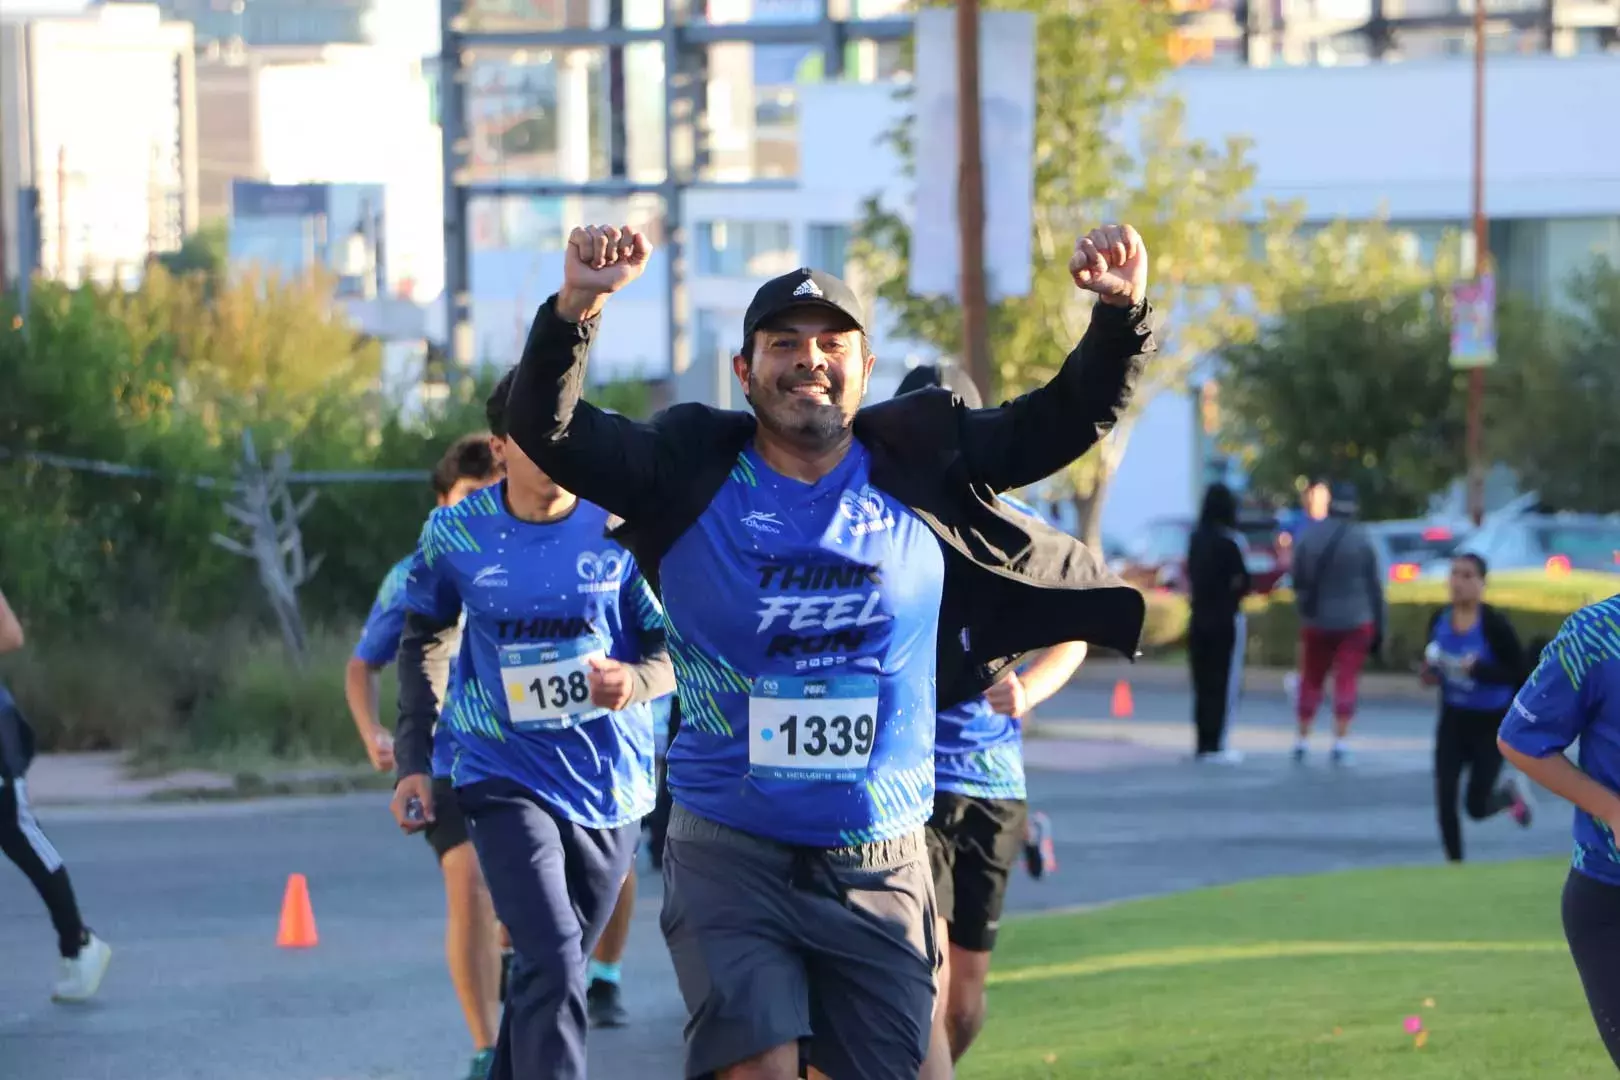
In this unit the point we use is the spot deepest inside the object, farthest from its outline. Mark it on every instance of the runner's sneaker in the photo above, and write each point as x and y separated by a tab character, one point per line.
1523	809
1300	748
482	1063
82	974
1340	754
603	1006
1040	855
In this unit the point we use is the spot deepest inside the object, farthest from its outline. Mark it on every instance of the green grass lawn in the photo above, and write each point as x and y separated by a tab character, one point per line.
1299	979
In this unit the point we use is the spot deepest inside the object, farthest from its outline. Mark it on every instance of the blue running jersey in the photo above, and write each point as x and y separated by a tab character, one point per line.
802	623
1575	694
1457	688
379	638
978	752
379	641
539	600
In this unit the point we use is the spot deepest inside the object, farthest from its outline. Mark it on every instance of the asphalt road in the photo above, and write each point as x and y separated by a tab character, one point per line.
189	895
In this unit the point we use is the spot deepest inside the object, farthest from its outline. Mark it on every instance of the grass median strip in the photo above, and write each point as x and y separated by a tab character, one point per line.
1299	978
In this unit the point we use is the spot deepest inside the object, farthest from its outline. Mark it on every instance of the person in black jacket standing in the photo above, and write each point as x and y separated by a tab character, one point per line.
1475	658
1217	582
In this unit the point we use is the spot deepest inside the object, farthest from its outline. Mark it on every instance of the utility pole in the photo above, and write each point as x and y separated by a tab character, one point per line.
1476	376
61	213
970	200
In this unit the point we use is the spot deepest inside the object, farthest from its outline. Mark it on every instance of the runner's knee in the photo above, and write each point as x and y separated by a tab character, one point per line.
778	1063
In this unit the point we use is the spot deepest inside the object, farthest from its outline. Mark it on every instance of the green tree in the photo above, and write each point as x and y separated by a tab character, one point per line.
1555	393
1099	74
1350	377
205	252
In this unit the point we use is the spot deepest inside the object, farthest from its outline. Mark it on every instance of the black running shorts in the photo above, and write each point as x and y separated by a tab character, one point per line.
973	845
449	829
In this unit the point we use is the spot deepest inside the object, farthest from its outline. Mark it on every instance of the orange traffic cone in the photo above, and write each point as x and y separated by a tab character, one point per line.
297	917
1123	706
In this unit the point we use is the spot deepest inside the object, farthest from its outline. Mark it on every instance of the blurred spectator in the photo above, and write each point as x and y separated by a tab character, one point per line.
1340	597
1217	581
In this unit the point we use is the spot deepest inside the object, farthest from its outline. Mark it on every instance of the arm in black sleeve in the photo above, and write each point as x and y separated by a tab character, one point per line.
654	675
1032	437
1236	570
612	461
1507	666
425	648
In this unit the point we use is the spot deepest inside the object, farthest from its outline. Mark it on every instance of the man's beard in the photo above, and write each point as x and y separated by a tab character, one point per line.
799	420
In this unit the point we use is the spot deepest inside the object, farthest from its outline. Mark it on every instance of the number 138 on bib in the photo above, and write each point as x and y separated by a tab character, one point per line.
812	729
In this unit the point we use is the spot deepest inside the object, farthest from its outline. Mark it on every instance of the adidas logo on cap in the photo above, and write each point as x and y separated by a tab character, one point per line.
808	287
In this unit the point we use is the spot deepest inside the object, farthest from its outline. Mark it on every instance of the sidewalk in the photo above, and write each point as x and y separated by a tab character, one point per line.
103	779
56	779
1376	686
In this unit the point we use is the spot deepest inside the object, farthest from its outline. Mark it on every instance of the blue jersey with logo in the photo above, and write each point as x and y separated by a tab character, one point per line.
979	752
539	600
1457	688
802	622
1575	694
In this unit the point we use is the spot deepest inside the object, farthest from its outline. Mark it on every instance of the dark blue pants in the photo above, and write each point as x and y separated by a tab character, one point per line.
555	885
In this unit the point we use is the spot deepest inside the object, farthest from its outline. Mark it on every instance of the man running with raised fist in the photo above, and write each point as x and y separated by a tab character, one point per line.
829	575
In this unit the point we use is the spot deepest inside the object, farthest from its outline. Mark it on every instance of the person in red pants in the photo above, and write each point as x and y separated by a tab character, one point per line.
1340	596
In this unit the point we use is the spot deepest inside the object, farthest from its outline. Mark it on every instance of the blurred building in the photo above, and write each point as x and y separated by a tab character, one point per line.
294	23
330	114
98	141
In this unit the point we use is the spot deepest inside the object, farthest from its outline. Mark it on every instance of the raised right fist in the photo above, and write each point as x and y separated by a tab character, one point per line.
602	259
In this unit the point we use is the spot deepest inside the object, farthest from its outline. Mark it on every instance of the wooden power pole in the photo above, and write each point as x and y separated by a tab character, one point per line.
970	201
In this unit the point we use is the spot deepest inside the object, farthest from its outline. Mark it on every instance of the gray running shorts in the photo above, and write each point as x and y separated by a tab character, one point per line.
773	944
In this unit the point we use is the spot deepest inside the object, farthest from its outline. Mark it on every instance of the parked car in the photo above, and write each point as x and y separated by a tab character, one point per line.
1407	548
1156	557
1534	539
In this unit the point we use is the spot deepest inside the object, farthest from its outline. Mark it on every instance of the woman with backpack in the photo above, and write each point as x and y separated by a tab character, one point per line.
1475	658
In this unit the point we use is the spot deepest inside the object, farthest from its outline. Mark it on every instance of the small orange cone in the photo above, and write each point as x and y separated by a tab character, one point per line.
297	917
1123	706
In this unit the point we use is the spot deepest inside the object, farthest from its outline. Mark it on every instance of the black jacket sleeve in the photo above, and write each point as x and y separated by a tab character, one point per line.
1507	666
425	648
1032	437
619	464
1237	570
654	675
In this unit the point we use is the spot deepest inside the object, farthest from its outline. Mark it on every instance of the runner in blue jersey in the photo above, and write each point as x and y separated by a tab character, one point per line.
545	724
1574	694
1475	658
981	818
830	575
471	937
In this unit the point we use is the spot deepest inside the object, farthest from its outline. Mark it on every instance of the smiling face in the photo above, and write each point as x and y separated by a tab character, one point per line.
806	375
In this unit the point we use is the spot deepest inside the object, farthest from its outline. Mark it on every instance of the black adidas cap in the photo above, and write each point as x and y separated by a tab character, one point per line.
802	287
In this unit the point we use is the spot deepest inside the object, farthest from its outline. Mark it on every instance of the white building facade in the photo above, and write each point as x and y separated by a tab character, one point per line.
98	142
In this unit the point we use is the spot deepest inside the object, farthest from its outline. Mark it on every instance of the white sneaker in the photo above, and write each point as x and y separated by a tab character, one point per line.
82	974
1228	756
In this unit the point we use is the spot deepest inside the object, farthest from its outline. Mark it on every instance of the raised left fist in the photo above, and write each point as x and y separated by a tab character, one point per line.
1112	262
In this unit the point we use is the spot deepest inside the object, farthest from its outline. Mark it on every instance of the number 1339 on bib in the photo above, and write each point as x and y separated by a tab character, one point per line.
812	729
